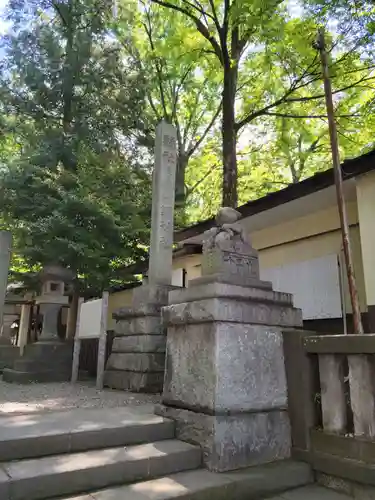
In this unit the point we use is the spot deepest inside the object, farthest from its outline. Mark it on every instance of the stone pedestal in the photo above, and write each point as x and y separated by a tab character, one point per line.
49	359
138	353
5	251
6	330
225	382
8	351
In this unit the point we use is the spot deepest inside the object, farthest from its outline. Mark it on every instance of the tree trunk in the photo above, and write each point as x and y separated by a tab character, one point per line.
229	136
67	155
182	162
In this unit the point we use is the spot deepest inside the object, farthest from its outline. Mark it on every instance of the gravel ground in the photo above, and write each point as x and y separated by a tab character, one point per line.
18	399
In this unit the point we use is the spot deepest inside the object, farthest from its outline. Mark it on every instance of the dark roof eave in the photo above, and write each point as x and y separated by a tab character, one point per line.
142	267
350	168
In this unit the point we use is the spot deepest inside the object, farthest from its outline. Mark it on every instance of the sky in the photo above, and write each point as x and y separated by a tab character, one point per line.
2	23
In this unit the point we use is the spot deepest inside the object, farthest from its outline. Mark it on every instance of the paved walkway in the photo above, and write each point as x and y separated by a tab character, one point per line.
19	399
311	493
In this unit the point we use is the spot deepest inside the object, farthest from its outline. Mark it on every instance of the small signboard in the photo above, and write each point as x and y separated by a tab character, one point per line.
91	324
90	318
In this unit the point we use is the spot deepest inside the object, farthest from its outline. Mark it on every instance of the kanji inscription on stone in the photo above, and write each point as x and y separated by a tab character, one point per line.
163	193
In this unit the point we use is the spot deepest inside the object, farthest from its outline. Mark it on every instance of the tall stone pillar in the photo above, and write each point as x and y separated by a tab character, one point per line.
225	382
24	323
5	249
138	352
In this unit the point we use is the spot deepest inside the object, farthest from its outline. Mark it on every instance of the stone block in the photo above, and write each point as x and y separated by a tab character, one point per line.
231	442
225	367
4	485
41	376
136	311
149	382
42	362
140	343
217	290
8	355
151	294
122	326
136	362
230	280
236	260
230	310
145	325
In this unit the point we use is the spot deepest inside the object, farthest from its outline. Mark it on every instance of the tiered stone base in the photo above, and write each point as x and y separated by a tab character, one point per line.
8	355
137	360
225	381
233	441
42	362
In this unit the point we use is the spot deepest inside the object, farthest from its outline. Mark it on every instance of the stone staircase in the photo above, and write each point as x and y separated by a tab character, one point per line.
120	454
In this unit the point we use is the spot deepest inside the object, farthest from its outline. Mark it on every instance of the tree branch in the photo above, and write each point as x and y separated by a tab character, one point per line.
193	188
203	30
223	34
214	16
286	115
207	129
159	71
285	99
57	8
198	7
321	96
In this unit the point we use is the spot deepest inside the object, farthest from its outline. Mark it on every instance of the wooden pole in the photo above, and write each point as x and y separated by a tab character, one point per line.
321	46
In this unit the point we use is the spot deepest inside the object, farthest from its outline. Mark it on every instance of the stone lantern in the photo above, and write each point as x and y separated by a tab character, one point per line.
52	299
50	358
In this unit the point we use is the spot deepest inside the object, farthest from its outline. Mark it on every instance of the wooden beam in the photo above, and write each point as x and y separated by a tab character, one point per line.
340	344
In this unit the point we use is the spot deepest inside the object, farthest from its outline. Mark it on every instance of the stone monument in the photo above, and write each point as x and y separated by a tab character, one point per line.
50	358
225	381
8	352
138	353
5	249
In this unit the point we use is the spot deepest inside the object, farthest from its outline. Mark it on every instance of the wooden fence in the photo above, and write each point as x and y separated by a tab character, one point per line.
331	392
89	354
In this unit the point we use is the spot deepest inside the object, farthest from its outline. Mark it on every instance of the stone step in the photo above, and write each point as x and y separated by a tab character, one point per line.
247	484
148	382
42	349
74	473
40	376
29	436
27	364
8	355
42	362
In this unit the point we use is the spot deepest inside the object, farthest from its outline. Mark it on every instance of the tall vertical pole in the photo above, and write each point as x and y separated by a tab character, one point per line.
5	249
163	197
321	46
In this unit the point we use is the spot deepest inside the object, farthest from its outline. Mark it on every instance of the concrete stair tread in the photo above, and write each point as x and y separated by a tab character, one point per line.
45	477
247	484
27	436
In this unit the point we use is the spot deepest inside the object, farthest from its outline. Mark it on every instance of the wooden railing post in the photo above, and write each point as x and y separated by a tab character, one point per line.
331	370
361	382
302	379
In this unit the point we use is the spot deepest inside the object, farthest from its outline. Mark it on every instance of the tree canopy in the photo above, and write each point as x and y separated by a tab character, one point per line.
84	82
73	191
